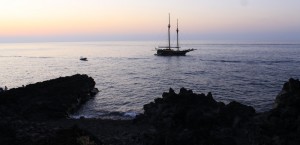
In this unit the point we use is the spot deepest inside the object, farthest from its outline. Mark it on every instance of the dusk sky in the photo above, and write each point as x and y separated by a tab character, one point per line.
96	20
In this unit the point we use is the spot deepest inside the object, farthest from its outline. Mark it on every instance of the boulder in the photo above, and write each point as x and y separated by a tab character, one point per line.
51	99
289	95
24	112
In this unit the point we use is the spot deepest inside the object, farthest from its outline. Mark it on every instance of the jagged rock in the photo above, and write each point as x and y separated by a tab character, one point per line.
281	125
289	95
185	118
190	118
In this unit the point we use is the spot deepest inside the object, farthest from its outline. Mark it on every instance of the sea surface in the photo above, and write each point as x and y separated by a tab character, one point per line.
129	75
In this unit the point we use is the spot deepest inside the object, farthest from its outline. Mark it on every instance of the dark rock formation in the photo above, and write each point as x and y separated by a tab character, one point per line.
23	112
187	118
22	132
281	125
193	119
71	136
36	115
51	99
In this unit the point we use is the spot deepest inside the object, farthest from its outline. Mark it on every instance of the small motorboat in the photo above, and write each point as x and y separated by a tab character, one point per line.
83	58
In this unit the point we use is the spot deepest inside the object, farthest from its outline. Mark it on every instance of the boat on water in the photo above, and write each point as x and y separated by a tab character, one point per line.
171	50
83	58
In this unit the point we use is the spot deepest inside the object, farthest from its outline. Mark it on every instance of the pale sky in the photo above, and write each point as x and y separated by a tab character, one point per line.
84	20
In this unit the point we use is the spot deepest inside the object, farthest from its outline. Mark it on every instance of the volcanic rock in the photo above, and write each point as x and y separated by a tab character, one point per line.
190	118
51	99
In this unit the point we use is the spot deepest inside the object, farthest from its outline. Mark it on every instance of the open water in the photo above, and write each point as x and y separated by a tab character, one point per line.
129	75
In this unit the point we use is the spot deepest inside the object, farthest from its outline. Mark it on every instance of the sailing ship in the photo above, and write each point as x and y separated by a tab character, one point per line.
167	50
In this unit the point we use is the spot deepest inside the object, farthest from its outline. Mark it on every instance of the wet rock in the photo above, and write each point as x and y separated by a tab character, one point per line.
94	91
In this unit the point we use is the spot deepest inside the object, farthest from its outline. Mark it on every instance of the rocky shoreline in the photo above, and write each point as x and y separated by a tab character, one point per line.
37	114
25	111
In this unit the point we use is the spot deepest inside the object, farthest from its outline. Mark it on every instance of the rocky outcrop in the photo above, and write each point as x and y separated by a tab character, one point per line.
281	125
24	111
50	99
187	118
193	119
183	118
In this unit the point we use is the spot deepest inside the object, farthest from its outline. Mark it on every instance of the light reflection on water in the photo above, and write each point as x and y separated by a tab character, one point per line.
129	75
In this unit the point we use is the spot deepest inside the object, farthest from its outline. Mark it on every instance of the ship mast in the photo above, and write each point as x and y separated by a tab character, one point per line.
169	33
177	36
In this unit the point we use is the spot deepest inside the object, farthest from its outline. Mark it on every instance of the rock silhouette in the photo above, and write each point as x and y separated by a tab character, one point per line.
24	111
51	99
190	118
37	114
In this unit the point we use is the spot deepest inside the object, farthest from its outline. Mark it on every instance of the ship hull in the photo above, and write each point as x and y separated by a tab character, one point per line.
170	52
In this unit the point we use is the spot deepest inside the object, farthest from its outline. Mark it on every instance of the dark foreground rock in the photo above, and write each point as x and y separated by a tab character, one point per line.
187	118
194	119
281	125
23	111
36	133
51	99
37	115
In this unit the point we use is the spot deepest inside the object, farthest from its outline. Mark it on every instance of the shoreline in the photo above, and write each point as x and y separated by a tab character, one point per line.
38	114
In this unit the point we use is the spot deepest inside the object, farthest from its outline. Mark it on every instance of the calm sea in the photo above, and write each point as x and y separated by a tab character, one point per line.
129	75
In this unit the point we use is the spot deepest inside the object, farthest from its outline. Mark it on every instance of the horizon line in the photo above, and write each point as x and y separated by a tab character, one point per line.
202	42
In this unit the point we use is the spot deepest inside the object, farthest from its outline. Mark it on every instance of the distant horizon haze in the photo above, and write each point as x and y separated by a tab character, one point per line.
94	20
